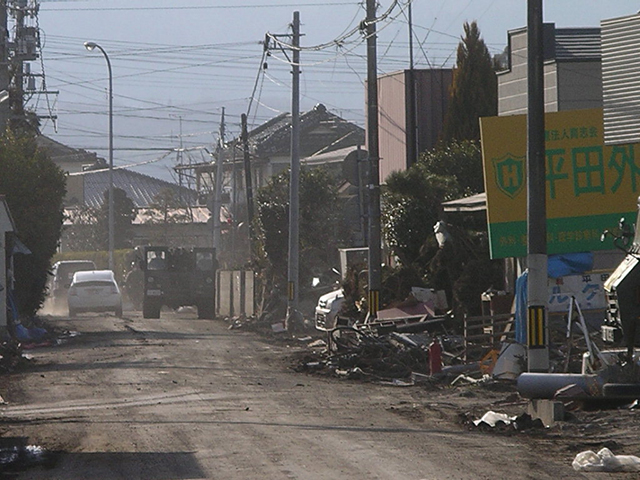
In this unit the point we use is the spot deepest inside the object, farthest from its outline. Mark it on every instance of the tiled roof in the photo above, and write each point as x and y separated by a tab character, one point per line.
59	152
320	130
333	156
141	189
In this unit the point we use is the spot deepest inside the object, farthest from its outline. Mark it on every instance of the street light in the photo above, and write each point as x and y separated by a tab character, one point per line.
90	46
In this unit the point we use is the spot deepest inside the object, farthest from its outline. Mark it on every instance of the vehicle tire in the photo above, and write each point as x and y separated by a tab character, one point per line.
119	312
206	311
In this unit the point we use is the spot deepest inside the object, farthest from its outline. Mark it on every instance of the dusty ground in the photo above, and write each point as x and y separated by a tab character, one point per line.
180	398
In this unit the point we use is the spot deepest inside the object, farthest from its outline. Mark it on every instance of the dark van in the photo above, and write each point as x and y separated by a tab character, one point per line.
60	279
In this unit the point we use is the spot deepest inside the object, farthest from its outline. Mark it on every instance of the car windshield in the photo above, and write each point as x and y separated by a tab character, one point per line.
95	283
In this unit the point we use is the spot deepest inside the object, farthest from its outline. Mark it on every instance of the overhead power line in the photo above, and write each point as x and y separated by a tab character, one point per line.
201	7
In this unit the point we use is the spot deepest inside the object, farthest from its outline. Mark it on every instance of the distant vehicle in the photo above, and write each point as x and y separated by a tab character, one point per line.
60	279
94	291
176	277
329	305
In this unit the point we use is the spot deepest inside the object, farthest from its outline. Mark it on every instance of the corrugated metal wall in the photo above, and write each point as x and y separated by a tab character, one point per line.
621	79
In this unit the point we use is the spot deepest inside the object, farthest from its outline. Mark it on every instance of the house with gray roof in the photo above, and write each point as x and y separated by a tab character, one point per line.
320	132
142	189
572	70
88	181
88	178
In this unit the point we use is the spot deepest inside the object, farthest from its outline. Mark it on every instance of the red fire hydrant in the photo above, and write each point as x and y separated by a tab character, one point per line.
435	357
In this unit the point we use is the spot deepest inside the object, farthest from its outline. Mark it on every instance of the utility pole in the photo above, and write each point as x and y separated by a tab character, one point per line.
247	174
375	254
217	192
294	183
412	128
19	57
179	156
5	107
537	324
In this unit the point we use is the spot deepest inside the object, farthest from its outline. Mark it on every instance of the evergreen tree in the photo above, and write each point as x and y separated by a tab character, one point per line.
124	213
474	91
412	204
34	188
321	226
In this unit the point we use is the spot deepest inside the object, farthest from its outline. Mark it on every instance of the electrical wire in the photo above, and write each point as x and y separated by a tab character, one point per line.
255	84
120	167
198	7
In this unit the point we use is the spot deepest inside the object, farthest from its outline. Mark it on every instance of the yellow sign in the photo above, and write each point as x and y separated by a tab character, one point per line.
589	185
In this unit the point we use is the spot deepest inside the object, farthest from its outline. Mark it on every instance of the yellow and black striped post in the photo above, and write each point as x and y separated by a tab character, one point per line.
536	326
374	303
291	290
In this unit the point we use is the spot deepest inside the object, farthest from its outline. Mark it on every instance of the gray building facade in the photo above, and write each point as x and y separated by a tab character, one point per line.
572	70
401	138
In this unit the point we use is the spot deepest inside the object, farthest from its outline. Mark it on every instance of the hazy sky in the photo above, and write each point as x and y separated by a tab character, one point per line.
176	63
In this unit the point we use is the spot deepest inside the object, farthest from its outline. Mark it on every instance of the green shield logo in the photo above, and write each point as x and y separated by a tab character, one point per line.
509	172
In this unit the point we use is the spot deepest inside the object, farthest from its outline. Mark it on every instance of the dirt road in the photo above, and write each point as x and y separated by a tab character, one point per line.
180	398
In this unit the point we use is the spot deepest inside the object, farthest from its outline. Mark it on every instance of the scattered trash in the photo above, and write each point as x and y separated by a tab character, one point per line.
353	373
465	378
305	339
510	361
605	461
521	422
492	418
318	344
396	382
420	378
525	421
278	327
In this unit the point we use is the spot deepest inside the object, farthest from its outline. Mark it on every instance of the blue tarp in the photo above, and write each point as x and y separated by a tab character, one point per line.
521	308
557	266
569	264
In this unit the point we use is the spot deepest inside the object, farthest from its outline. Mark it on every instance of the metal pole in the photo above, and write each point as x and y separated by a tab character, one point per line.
5	78
90	46
247	175
537	318
294	185
375	254
217	193
412	130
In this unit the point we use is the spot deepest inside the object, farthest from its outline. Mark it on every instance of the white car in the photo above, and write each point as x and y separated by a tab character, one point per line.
94	291
329	305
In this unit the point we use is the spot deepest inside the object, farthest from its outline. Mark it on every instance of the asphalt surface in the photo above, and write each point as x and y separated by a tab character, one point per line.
181	398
